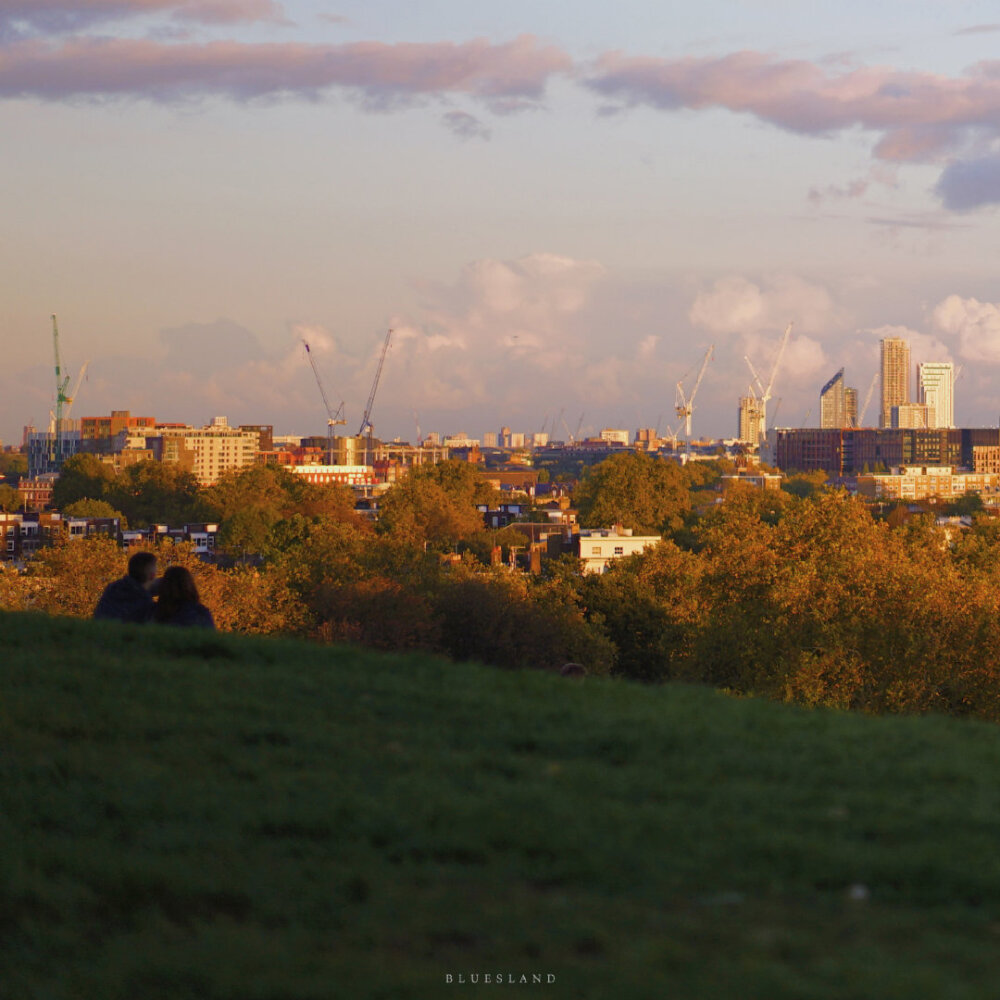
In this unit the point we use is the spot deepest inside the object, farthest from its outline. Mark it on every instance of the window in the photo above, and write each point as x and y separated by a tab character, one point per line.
595	550
619	550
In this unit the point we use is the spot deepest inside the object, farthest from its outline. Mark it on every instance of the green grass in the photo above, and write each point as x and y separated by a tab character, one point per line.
192	816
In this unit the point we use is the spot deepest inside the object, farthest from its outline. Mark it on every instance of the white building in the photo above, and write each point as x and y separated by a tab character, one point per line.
614	436
600	546
936	390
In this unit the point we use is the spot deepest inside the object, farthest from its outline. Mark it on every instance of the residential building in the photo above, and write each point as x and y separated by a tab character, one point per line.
833	410
924	482
936	390
895	376
851	406
749	421
910	416
597	547
209	452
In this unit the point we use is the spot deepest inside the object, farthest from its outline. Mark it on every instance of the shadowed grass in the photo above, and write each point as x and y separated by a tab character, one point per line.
220	817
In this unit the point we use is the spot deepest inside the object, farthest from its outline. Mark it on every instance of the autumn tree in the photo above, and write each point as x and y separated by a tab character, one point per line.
436	505
636	490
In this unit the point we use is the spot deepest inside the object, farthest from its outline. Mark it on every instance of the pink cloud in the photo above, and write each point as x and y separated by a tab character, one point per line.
382	73
920	115
64	15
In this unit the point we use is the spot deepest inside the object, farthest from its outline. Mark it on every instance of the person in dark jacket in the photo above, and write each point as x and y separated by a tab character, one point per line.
130	599
178	603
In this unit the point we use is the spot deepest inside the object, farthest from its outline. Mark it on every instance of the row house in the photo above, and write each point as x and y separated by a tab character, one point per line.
22	535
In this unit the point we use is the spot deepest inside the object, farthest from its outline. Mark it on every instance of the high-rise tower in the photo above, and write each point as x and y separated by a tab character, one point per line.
895	377
936	389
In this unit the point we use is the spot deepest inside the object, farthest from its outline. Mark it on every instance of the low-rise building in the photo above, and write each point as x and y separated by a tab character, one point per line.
922	482
599	546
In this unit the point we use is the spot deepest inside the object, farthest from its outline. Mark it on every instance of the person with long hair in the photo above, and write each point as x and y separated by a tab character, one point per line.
177	601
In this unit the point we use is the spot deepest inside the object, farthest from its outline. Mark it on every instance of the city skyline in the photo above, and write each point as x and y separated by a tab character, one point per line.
551	213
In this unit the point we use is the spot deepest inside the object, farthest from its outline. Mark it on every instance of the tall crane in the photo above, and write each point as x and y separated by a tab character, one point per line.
765	391
868	399
61	397
70	399
366	420
684	404
332	419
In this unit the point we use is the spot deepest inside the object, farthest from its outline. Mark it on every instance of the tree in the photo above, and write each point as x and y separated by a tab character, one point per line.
436	505
13	467
82	477
94	508
10	499
635	490
250	503
153	492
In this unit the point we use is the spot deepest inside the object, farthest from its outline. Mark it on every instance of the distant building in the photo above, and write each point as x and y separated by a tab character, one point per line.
600	546
749	421
615	436
460	440
490	439
895	376
936	390
913	416
343	475
759	480
925	482
851	406
208	452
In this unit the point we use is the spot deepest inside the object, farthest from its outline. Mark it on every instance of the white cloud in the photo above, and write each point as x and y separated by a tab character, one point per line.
975	324
735	304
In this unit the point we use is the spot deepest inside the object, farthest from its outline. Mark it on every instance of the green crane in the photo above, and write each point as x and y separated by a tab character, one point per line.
61	384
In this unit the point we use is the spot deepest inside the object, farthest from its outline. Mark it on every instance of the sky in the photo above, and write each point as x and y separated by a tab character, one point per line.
556	206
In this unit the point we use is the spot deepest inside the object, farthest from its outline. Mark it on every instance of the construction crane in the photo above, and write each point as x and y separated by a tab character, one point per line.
332	419
684	404
867	402
579	424
61	397
366	421
765	392
70	399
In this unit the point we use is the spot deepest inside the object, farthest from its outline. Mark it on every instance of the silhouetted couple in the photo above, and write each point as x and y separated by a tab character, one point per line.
131	599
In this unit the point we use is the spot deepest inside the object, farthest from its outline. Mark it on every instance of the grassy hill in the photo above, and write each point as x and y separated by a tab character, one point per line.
202	816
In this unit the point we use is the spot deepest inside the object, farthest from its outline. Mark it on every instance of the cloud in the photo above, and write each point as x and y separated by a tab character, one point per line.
975	324
923	109
382	74
735	304
978	29
853	189
55	16
918	117
465	126
969	184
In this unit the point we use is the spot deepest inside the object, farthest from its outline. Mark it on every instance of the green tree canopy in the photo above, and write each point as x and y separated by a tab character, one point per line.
82	477
94	508
10	499
153	492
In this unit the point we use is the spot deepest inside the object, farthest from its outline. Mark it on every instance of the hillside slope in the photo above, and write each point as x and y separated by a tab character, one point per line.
205	816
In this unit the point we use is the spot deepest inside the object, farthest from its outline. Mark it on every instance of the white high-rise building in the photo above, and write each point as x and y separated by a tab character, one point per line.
936	390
